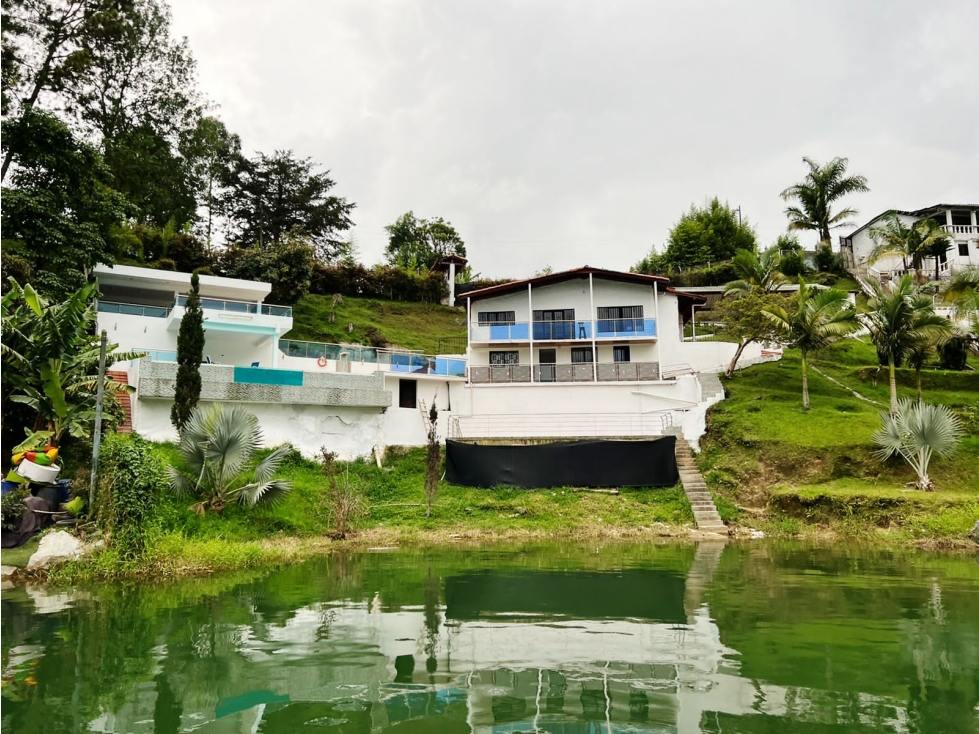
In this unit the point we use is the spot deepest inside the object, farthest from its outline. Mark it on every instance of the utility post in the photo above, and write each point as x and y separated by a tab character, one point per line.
97	438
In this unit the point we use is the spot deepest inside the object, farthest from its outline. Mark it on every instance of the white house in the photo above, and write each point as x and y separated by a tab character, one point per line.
958	221
583	353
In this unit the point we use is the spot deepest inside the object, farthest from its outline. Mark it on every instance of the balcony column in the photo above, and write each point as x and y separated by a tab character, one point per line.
469	336
594	346
275	349
972	216
948	219
530	329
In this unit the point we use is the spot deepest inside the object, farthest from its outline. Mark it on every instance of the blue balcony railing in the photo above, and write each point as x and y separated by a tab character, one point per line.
543	331
386	360
221	304
625	327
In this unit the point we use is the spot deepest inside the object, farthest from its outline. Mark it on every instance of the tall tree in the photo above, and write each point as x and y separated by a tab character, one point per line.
708	234
209	151
911	242
963	293
900	323
814	319
744	319
60	208
269	197
817	192
416	244
190	353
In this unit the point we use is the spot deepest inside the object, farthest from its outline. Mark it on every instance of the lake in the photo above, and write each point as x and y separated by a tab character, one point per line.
569	639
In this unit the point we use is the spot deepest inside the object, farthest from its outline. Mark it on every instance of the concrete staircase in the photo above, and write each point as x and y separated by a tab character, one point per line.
695	487
710	385
124	400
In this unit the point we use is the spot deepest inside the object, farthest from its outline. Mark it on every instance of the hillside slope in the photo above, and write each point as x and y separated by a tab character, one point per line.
376	323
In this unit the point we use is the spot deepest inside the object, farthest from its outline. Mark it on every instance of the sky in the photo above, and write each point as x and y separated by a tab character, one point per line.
561	133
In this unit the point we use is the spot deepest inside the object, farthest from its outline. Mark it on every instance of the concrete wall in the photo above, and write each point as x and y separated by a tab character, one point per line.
570	294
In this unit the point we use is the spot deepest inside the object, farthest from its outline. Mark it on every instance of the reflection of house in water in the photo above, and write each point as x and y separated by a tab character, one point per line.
574	653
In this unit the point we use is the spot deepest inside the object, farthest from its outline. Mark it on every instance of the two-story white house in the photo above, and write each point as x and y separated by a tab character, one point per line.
582	353
959	221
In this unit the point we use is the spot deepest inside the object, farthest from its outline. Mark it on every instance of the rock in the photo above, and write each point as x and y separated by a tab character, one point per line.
974	533
757	534
54	548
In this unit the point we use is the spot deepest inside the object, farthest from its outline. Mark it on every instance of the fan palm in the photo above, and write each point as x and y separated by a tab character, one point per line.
899	322
912	243
216	448
822	186
963	294
916	432
817	319
755	272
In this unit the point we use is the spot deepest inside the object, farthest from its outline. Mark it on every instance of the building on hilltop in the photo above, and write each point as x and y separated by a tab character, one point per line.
583	353
957	220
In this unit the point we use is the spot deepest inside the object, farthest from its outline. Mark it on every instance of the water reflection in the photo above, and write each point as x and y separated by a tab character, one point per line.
547	639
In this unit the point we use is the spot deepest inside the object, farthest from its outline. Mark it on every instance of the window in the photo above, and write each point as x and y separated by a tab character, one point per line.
964	249
620	319
581	355
621	354
407	393
554	324
496	317
504	357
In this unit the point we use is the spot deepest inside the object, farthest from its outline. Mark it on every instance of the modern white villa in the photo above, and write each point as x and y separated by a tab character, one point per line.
583	353
959	222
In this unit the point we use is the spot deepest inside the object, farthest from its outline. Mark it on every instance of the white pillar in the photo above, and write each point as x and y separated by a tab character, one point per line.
972	216
948	217
659	355
594	346
275	349
469	337
452	284
530	328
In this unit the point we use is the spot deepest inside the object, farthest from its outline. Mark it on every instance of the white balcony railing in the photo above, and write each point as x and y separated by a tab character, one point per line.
961	228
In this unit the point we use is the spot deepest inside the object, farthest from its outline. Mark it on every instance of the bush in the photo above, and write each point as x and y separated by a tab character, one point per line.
13	508
388	283
954	353
344	501
793	265
828	261
132	478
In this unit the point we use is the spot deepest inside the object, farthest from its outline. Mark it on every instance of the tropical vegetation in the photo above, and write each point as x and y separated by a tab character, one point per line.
816	194
911	242
916	432
813	320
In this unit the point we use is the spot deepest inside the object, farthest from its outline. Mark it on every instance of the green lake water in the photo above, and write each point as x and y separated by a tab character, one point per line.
568	639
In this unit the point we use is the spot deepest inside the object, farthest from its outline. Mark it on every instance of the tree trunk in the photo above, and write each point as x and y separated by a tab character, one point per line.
893	373
805	382
737	355
917	375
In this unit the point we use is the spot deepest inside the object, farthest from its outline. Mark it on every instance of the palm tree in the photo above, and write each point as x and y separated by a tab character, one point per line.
963	293
912	243
818	318
822	186
899	322
216	447
758	273
916	432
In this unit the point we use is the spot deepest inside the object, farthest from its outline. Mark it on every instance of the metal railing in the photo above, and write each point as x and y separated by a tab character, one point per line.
387	360
672	371
453	344
578	372
248	307
133	309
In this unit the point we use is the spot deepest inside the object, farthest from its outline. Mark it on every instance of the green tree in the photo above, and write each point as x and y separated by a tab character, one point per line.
912	243
707	235
814	319
190	354
900	322
822	187
962	292
755	272
916	431
60	205
270	197
416	244
288	266
210	151
50	360
216	448
744	319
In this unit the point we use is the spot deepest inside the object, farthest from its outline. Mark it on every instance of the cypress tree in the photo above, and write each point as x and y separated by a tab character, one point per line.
190	352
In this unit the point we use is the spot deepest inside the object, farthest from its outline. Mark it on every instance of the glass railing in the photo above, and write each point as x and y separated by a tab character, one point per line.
160	355
562	330
221	304
133	309
385	359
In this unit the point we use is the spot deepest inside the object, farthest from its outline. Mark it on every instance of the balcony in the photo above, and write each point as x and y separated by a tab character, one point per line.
133	309
961	229
236	316
579	372
247	307
386	360
547	331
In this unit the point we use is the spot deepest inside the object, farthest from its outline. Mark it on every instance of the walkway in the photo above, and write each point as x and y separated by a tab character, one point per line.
694	486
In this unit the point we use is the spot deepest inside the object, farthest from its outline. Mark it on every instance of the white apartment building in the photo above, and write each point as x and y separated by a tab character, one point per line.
583	353
959	222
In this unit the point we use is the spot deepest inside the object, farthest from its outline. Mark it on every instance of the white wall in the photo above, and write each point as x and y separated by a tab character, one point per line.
350	432
405	426
137	332
570	294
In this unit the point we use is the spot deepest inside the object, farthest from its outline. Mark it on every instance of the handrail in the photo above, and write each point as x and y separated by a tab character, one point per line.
133	309
576	329
221	304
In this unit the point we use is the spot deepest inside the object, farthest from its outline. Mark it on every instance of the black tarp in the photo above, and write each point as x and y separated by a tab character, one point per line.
647	463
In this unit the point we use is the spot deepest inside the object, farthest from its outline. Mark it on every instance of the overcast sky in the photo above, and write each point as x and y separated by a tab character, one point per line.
570	133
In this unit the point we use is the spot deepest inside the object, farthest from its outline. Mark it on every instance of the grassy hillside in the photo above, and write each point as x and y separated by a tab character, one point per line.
763	450
375	322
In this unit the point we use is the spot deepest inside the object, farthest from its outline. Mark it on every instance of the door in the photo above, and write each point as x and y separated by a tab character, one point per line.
548	358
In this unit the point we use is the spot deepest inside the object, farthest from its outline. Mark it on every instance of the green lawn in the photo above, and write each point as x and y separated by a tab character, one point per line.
375	322
763	449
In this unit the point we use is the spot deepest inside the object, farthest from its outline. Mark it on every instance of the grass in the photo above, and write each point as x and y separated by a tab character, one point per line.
376	323
816	467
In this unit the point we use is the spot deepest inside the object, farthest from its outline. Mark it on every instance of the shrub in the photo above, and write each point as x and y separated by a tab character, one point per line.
131	479
344	501
389	283
954	353
793	265
13	508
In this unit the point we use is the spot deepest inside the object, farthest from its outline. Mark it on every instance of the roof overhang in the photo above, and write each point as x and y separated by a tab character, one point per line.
212	286
578	273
